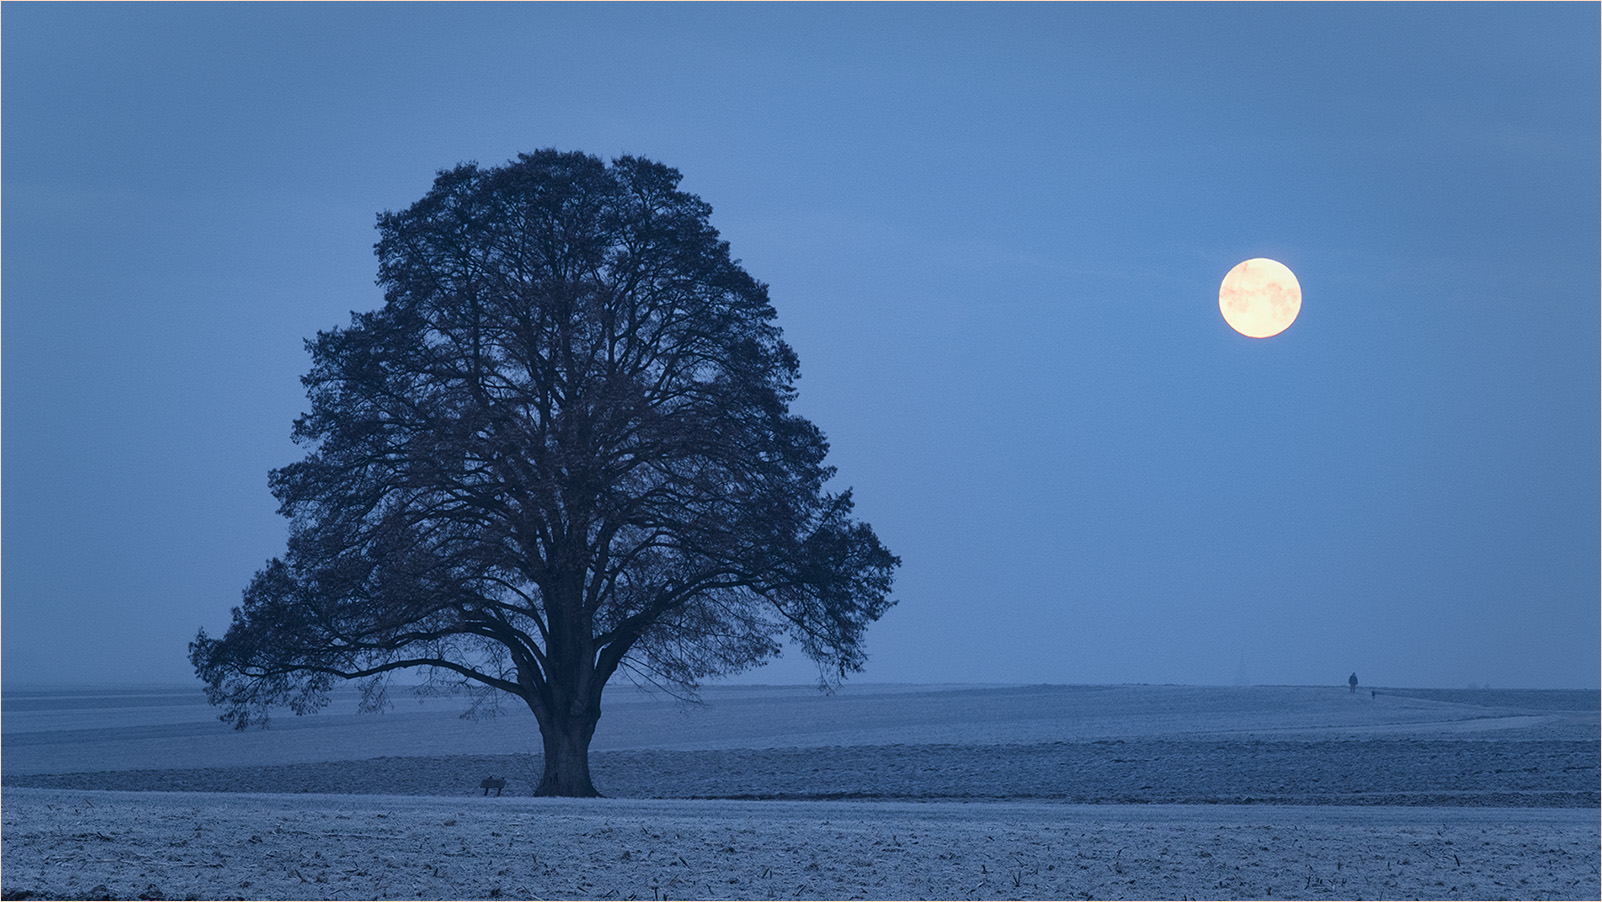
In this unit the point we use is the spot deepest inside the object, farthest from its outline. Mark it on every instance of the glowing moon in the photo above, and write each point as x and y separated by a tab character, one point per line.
1260	298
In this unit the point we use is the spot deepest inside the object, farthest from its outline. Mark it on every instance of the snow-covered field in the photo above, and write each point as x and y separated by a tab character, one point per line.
766	792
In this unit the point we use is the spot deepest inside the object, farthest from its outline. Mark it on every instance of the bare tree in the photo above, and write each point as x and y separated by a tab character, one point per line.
563	447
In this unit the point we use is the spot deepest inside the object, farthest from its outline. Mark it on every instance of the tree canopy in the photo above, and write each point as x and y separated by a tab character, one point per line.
562	448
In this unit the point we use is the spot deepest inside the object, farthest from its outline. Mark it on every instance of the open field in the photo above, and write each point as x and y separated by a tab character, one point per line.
765	792
340	846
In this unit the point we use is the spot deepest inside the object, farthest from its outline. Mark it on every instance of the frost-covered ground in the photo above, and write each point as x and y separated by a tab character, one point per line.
337	847
876	792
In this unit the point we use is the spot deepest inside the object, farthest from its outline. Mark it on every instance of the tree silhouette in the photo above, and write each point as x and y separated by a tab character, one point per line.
563	447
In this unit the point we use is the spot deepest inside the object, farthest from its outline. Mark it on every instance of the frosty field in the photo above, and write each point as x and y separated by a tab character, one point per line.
779	792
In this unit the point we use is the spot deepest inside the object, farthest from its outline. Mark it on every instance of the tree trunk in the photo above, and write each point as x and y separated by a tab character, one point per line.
570	702
567	755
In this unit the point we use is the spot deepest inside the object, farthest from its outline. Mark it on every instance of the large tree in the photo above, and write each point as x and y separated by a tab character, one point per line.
563	447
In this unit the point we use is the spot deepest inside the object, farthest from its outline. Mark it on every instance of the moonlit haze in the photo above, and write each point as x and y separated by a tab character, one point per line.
994	235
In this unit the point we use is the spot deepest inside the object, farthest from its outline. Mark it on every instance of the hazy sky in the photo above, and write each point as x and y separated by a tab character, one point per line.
994	235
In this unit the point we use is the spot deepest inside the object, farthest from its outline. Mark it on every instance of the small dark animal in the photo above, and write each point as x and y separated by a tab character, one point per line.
495	783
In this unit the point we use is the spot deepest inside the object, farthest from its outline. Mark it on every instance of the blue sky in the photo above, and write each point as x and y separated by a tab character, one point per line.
994	234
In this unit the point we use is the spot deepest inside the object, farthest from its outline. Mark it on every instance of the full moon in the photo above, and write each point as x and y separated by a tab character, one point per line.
1260	298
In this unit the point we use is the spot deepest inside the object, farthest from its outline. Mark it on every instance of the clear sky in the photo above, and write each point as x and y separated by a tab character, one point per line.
994	234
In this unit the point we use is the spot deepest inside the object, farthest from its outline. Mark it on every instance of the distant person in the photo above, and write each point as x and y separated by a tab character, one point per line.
1352	682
